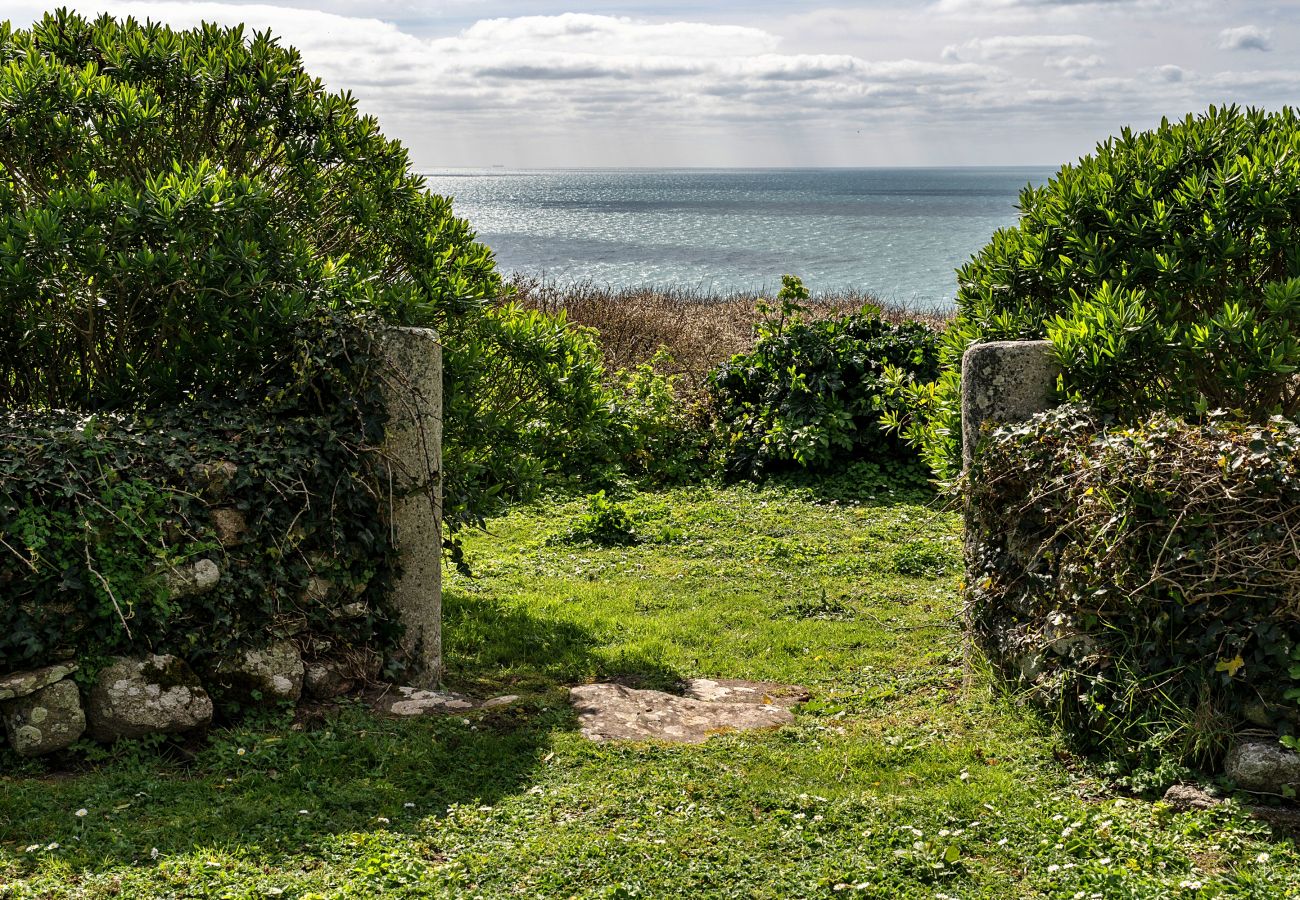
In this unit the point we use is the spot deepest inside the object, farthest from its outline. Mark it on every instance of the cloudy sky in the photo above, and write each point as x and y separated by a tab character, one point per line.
766	83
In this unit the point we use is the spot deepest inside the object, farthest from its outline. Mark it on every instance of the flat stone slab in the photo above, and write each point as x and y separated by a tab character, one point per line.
411	701
733	690
612	712
20	684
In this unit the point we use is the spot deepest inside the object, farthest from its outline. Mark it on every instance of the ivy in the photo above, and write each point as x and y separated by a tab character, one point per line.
97	509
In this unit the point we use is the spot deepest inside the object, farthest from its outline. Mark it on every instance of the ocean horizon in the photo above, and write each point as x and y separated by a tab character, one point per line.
899	233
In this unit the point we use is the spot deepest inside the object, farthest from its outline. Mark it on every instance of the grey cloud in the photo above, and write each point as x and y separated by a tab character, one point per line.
1246	37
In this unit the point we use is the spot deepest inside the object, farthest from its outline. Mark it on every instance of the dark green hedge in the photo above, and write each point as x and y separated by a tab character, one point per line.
1144	580
95	509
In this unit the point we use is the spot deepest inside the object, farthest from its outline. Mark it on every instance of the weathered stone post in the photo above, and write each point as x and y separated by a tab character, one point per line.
413	460
1004	381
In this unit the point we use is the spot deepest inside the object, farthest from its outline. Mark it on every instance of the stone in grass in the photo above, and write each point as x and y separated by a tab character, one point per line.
48	720
157	694
612	712
269	674
411	701
503	700
1263	766
1183	797
733	690
20	684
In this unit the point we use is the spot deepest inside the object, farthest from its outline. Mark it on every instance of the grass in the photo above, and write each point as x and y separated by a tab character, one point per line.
905	776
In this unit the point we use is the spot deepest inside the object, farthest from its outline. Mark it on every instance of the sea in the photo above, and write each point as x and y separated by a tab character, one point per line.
897	233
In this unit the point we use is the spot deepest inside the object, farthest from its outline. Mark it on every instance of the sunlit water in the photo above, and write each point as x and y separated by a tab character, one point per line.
899	233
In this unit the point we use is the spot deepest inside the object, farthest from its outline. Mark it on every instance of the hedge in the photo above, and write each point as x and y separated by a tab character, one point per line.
1143	581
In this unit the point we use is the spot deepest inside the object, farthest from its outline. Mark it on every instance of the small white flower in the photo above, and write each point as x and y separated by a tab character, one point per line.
32	848
52	846
1002	843
1262	858
964	776
240	752
408	805
82	813
382	820
303	812
1053	868
153	854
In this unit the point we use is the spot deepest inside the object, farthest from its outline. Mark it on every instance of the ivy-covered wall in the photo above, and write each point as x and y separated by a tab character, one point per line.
199	531
1142	580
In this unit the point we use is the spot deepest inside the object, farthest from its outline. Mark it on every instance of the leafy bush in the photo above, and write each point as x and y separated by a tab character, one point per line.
1142	579
663	439
811	394
97	509
1165	269
173	202
604	523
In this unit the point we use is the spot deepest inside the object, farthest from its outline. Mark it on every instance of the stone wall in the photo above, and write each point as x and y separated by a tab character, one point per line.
47	709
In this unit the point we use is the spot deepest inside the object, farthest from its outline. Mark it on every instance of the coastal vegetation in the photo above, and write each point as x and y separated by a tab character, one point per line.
199	246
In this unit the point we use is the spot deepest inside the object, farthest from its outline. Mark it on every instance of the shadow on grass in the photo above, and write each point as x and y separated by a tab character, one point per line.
491	647
275	792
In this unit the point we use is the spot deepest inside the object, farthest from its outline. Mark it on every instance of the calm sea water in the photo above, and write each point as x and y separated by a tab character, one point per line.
899	233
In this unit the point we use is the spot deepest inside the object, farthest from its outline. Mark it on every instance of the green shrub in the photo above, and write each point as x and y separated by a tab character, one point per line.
1142	580
811	394
1165	268
605	523
663	440
173	202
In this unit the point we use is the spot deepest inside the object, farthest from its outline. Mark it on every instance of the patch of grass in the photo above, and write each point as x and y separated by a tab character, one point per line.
905	776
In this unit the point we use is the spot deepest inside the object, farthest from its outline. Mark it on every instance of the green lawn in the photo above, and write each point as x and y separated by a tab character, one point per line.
905	776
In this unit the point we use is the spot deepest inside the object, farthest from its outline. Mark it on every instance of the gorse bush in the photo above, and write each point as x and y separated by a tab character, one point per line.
1165	269
1142	579
811	394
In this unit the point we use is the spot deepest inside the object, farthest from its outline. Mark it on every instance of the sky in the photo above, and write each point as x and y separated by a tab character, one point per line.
540	83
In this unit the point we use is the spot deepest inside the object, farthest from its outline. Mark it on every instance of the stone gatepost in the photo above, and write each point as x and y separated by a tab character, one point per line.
1004	381
413	461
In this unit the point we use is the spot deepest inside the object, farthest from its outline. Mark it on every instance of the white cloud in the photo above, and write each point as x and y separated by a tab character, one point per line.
1246	37
868	83
1006	46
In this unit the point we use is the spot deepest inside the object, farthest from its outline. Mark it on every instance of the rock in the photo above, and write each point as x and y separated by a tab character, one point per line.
731	690
411	701
269	674
505	700
1264	766
230	526
325	680
317	590
1183	797
1002	382
20	684
215	478
134	697
197	577
47	720
1064	637
612	712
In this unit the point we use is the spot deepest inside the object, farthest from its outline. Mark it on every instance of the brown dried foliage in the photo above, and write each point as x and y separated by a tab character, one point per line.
700	330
